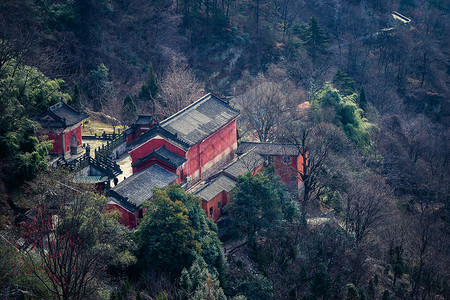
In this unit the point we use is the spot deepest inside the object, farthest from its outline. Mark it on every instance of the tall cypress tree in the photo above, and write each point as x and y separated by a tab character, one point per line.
75	102
150	88
316	40
362	99
129	110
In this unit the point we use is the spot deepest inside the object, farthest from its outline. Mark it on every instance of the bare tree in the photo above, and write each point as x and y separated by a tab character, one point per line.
266	106
366	203
179	88
318	147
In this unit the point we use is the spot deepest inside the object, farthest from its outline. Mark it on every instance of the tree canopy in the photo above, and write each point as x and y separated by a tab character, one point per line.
175	230
25	92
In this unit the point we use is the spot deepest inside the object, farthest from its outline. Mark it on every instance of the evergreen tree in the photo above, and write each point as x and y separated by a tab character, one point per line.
396	261
254	208
363	99
258	287
199	283
345	83
166	239
24	93
101	90
352	292
316	40
175	232
75	102
129	110
150	88
321	283
371	290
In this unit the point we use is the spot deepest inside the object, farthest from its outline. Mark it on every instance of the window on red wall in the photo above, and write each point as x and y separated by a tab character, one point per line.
219	205
211	211
287	159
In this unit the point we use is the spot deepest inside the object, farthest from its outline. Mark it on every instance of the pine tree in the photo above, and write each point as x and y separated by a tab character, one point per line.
98	106
363	99
150	88
371	290
344	82
315	40
129	110
101	90
199	283
75	102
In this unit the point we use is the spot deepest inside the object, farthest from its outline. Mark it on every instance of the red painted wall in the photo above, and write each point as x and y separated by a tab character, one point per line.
139	130
68	135
57	138
214	203
127	218
57	141
151	162
286	171
152	145
211	150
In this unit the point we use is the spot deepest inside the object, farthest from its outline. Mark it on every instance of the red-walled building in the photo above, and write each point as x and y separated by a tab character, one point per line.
196	147
215	191
128	196
142	124
190	143
62	124
285	157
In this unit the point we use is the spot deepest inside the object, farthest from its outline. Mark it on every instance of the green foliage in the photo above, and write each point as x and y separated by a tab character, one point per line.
439	4
386	295
101	90
344	113
396	261
86	243
25	92
129	110
363	99
150	88
257	287
254	206
198	283
321	283
75	102
352	292
175	231
371	290
315	39
166	237
345	83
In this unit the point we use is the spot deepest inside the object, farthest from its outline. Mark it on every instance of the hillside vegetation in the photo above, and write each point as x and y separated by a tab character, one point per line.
364	95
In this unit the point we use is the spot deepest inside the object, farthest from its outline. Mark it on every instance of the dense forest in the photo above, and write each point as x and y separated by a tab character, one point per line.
362	94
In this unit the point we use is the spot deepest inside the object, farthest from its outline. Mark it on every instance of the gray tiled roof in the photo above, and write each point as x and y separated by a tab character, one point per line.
137	188
61	115
164	155
215	187
144	120
173	158
158	130
89	179
268	149
245	163
200	119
